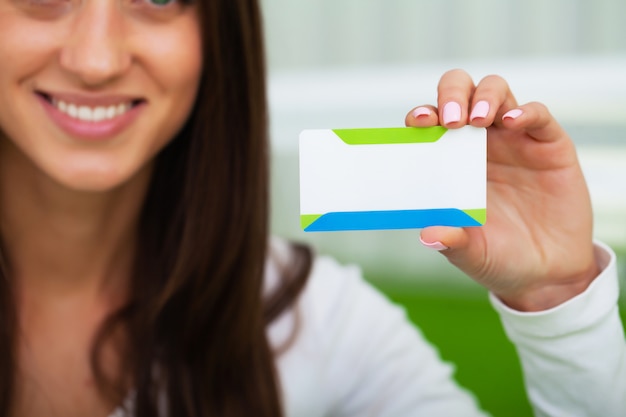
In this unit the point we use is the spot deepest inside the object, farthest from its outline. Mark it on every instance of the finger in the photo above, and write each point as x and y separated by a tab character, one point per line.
455	90
422	116
535	119
491	100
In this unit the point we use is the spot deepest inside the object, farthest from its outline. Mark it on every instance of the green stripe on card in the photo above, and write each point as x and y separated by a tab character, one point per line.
391	135
307	219
480	215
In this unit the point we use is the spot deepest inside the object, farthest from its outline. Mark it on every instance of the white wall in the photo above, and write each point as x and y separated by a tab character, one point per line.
349	63
314	33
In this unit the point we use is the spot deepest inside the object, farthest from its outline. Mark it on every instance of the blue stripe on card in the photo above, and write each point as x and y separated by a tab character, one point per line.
392	219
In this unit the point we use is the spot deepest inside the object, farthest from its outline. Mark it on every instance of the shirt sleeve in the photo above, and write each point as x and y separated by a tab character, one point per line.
574	355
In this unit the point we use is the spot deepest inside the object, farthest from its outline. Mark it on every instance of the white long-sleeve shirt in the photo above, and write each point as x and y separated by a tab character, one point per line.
356	354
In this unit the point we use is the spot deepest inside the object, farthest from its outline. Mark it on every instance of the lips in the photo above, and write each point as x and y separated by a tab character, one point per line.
91	118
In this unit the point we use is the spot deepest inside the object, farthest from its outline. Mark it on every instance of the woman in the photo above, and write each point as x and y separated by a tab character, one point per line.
133	205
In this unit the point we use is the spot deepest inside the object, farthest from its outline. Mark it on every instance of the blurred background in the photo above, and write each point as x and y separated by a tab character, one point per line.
350	63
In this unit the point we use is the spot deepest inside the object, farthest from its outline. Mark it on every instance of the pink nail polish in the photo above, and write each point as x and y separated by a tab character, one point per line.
512	114
481	109
438	246
451	112
421	111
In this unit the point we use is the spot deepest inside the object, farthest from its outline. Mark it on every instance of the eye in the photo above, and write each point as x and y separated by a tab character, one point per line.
158	10
44	9
42	3
161	2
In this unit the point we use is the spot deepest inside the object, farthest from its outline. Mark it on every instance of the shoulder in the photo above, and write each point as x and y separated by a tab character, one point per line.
320	335
337	308
323	295
350	350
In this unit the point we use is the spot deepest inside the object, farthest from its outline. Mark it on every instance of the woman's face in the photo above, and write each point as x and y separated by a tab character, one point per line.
91	90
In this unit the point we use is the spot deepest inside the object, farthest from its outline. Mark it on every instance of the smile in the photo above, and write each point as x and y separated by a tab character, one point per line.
91	117
91	114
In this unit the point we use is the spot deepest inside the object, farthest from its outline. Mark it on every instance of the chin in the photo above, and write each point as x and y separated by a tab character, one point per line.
91	184
99	179
87	183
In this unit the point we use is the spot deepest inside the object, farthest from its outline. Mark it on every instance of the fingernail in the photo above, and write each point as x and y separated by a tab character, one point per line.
438	246
481	109
421	111
451	112
512	114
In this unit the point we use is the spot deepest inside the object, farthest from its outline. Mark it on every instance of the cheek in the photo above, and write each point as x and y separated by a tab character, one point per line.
174	62
184	77
174	57
27	46
186	74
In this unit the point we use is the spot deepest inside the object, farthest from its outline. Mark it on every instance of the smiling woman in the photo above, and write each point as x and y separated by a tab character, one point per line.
116	263
137	273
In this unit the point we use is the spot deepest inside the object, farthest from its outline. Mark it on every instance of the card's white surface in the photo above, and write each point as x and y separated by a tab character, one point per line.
376	183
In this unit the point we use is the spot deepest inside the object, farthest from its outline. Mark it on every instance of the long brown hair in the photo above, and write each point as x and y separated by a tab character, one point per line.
195	323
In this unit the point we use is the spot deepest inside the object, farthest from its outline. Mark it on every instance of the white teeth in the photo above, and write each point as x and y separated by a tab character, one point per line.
84	113
99	113
111	112
91	114
72	110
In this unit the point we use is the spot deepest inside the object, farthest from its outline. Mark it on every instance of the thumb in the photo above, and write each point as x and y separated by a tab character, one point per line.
458	245
444	239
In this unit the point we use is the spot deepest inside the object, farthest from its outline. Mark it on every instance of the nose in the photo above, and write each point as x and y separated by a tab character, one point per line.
95	51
